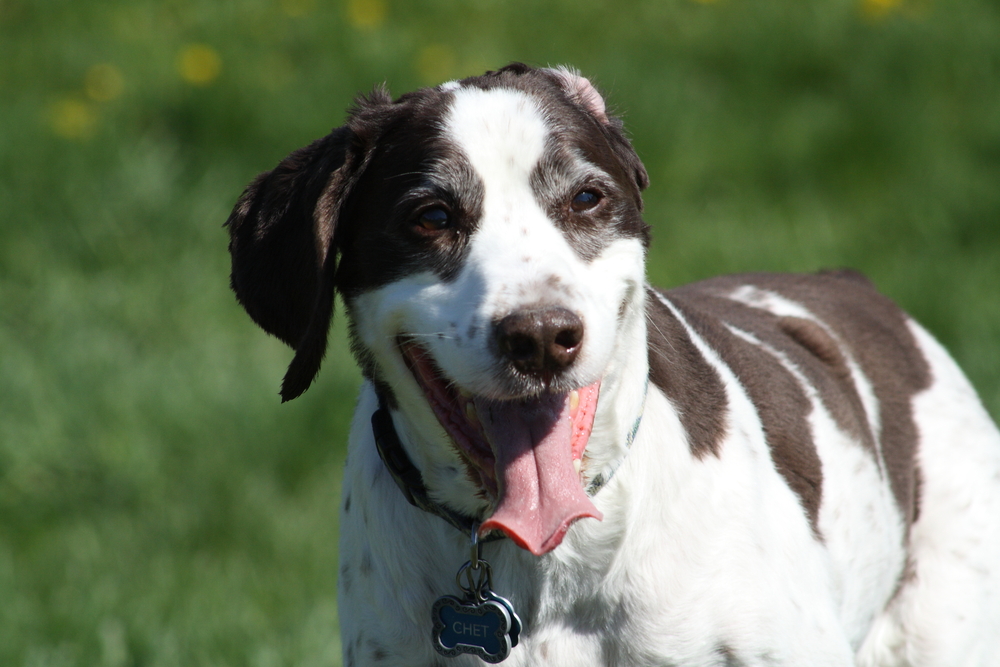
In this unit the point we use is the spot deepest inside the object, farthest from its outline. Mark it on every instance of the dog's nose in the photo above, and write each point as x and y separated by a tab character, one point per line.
540	340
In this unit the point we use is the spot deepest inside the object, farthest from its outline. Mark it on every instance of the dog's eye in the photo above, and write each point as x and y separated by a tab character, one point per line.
585	200
434	219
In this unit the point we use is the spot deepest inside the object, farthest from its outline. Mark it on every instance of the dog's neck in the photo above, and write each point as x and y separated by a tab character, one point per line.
407	476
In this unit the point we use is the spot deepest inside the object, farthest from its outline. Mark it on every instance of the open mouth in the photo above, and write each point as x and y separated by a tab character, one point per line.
525	454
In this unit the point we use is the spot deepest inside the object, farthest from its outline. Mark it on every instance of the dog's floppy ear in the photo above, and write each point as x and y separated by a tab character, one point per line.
581	91
281	242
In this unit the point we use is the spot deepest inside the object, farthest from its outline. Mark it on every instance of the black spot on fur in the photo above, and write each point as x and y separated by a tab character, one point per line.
728	657
378	651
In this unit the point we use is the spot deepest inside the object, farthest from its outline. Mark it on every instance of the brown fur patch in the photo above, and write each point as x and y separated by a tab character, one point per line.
874	333
780	400
691	384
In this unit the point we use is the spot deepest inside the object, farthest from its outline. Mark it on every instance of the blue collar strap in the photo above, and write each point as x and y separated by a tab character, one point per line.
605	476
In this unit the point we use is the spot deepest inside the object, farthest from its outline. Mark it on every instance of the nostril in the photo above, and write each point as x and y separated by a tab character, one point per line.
519	346
564	347
569	338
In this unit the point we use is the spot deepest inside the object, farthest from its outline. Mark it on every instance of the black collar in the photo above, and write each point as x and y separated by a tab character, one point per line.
408	478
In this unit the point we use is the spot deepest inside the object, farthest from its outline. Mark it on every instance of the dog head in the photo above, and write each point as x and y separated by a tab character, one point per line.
486	238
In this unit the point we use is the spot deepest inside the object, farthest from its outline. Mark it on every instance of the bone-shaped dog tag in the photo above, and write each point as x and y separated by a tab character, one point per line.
479	628
515	621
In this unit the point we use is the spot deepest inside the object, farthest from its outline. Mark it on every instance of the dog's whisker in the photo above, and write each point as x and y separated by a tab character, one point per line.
436	334
667	340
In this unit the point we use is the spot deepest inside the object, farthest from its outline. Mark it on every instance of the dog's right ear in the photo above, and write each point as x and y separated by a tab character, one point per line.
582	92
282	247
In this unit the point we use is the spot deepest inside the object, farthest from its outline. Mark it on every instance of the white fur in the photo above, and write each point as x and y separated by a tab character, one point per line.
697	562
949	614
856	498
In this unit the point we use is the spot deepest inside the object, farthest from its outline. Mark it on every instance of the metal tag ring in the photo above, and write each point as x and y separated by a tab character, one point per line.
476	584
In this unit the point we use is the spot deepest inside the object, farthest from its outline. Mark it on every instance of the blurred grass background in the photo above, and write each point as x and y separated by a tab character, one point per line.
157	505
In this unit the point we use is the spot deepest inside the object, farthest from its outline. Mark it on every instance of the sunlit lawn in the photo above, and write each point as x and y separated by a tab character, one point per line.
158	506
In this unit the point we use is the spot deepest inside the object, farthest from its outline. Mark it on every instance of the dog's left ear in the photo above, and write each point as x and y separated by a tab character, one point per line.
282	247
581	91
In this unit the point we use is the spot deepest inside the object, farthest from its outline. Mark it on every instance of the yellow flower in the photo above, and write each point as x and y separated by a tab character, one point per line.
876	9
103	82
199	64
72	118
366	13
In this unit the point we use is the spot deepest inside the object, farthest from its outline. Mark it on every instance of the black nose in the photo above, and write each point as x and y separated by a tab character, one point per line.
540	340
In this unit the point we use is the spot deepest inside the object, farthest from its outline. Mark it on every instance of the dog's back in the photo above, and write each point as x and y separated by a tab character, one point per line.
884	443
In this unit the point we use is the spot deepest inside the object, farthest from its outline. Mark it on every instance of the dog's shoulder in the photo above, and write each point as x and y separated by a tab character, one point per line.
788	339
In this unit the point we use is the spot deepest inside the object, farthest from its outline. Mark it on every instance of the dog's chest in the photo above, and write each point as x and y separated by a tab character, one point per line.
580	608
693	564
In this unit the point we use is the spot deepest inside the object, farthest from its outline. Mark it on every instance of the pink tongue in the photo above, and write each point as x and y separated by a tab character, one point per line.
540	491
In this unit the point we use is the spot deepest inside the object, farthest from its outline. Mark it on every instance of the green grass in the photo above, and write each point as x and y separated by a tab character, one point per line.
157	505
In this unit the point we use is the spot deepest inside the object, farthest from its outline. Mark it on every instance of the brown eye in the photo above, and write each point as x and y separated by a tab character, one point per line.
434	219
585	200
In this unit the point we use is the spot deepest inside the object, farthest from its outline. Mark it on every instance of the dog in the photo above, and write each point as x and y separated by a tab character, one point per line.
757	469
